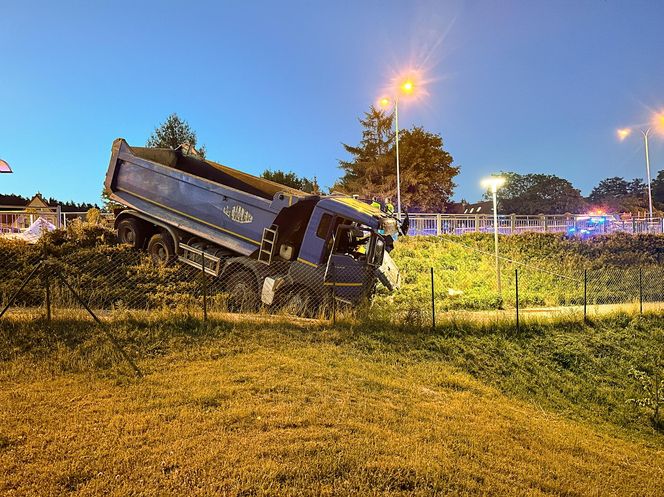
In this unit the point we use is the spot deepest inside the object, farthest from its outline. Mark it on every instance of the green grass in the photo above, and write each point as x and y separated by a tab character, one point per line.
551	270
257	406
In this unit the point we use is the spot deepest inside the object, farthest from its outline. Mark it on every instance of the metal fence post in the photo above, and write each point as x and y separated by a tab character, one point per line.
585	295
334	295
47	285
516	287
205	292
433	304
640	290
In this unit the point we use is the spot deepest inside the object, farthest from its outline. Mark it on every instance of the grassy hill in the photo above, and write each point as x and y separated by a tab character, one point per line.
551	270
247	406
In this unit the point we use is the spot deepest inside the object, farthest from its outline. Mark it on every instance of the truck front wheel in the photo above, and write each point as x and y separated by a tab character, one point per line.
161	249
132	232
300	301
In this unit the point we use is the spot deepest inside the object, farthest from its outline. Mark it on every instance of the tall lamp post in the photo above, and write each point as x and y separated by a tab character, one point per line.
493	183
624	133
407	88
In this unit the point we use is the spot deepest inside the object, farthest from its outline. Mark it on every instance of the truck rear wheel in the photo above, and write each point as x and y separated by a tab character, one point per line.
161	249
132	232
242	293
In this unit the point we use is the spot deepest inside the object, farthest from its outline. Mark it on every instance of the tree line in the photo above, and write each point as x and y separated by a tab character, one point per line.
427	174
18	201
550	194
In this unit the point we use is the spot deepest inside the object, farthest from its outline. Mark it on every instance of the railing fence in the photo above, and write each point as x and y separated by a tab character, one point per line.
459	224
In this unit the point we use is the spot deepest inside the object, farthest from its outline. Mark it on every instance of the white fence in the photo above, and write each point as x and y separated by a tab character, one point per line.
458	224
16	221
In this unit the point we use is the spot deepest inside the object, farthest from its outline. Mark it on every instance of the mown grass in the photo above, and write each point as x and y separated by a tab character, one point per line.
244	406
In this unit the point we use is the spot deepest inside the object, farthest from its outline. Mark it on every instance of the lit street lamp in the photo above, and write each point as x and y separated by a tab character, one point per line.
622	135
407	88
658	122
493	183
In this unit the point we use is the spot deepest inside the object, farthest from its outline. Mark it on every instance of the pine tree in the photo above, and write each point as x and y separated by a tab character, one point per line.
365	173
426	168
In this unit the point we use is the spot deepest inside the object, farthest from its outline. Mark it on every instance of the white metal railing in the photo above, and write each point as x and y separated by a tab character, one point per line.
581	225
17	220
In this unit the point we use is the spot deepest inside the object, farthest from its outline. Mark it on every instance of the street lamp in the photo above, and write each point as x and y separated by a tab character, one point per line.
407	88
493	183
4	167
623	133
657	123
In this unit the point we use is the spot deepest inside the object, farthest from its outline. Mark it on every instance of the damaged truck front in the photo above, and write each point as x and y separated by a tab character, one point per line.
267	243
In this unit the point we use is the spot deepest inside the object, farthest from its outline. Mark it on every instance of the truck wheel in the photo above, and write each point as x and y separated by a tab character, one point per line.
300	301
161	249
132	232
242	293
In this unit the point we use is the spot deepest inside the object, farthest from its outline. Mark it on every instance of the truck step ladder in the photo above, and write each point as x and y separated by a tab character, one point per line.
268	244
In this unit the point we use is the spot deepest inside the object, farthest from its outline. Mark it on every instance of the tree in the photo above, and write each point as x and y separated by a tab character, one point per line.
619	195
657	188
538	194
610	189
365	173
175	132
108	204
426	168
427	172
291	180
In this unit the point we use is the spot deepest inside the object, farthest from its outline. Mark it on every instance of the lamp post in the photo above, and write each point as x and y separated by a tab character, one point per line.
407	88
645	142
4	167
493	183
658	123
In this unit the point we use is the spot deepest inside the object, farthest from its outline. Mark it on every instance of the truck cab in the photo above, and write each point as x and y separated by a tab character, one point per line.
351	241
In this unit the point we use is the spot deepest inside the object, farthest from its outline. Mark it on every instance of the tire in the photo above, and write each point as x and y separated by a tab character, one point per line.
161	249
132	232
300	301
242	291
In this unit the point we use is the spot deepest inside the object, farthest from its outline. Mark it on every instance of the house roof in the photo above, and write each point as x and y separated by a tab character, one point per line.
37	201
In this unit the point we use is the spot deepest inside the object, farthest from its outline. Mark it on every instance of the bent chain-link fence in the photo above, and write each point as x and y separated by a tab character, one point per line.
110	280
114	279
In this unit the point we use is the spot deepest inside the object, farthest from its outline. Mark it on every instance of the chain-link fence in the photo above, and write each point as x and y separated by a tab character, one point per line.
109	280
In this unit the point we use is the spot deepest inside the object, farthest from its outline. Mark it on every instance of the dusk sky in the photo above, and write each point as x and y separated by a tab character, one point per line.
528	86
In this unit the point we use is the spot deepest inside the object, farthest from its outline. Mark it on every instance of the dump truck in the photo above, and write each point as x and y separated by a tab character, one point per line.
265	242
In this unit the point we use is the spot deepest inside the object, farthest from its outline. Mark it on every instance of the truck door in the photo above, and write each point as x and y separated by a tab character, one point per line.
347	270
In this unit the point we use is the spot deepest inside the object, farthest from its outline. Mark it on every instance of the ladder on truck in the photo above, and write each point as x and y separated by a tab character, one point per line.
268	244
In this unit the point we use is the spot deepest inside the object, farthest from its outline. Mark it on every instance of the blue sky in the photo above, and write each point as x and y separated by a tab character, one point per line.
529	86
